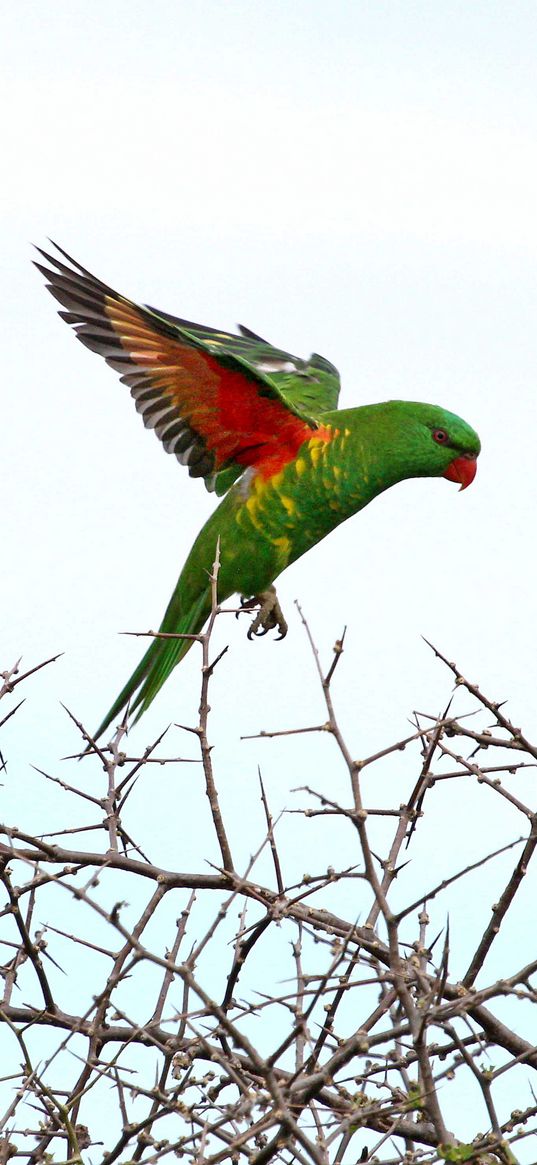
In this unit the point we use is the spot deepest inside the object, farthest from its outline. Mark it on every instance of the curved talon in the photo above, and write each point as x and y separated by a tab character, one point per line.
246	605
269	617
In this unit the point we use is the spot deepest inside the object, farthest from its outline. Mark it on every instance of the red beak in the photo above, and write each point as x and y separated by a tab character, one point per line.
462	470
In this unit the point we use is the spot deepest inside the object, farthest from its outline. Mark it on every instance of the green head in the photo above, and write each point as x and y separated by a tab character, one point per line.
400	439
435	442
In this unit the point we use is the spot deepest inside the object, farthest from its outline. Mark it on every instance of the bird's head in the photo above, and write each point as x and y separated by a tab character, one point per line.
439	443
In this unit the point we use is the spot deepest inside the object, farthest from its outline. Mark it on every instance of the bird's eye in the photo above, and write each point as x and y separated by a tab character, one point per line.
440	436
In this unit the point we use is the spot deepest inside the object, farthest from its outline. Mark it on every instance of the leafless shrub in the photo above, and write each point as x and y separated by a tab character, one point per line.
151	1013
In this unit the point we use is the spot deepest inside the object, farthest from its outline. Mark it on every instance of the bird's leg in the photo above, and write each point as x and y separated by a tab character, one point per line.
270	615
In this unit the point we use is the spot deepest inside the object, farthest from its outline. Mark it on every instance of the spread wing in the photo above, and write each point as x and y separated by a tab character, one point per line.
218	401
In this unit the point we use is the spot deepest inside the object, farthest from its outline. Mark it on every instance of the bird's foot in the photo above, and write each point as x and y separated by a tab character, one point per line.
270	615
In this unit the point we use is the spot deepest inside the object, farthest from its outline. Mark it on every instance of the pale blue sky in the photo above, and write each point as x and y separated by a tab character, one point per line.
358	179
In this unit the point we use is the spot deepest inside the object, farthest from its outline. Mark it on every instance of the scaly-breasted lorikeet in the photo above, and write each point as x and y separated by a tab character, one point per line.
262	427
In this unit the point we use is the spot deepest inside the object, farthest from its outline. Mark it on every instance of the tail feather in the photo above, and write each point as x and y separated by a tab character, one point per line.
157	664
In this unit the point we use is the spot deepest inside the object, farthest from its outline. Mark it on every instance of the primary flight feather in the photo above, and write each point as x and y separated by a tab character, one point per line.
263	428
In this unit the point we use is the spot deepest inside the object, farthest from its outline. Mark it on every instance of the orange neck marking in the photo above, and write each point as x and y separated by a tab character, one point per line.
274	457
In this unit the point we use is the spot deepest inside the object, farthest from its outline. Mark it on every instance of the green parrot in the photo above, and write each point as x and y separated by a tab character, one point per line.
261	427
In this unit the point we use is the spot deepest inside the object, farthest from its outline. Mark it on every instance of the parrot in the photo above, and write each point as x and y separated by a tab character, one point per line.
262	428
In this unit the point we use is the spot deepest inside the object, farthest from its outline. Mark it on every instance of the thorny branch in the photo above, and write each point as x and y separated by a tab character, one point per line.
143	1022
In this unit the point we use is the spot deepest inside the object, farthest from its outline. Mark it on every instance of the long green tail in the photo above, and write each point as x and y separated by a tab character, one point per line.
159	659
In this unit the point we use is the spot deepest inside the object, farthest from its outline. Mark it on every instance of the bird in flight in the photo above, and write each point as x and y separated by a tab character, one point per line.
263	430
